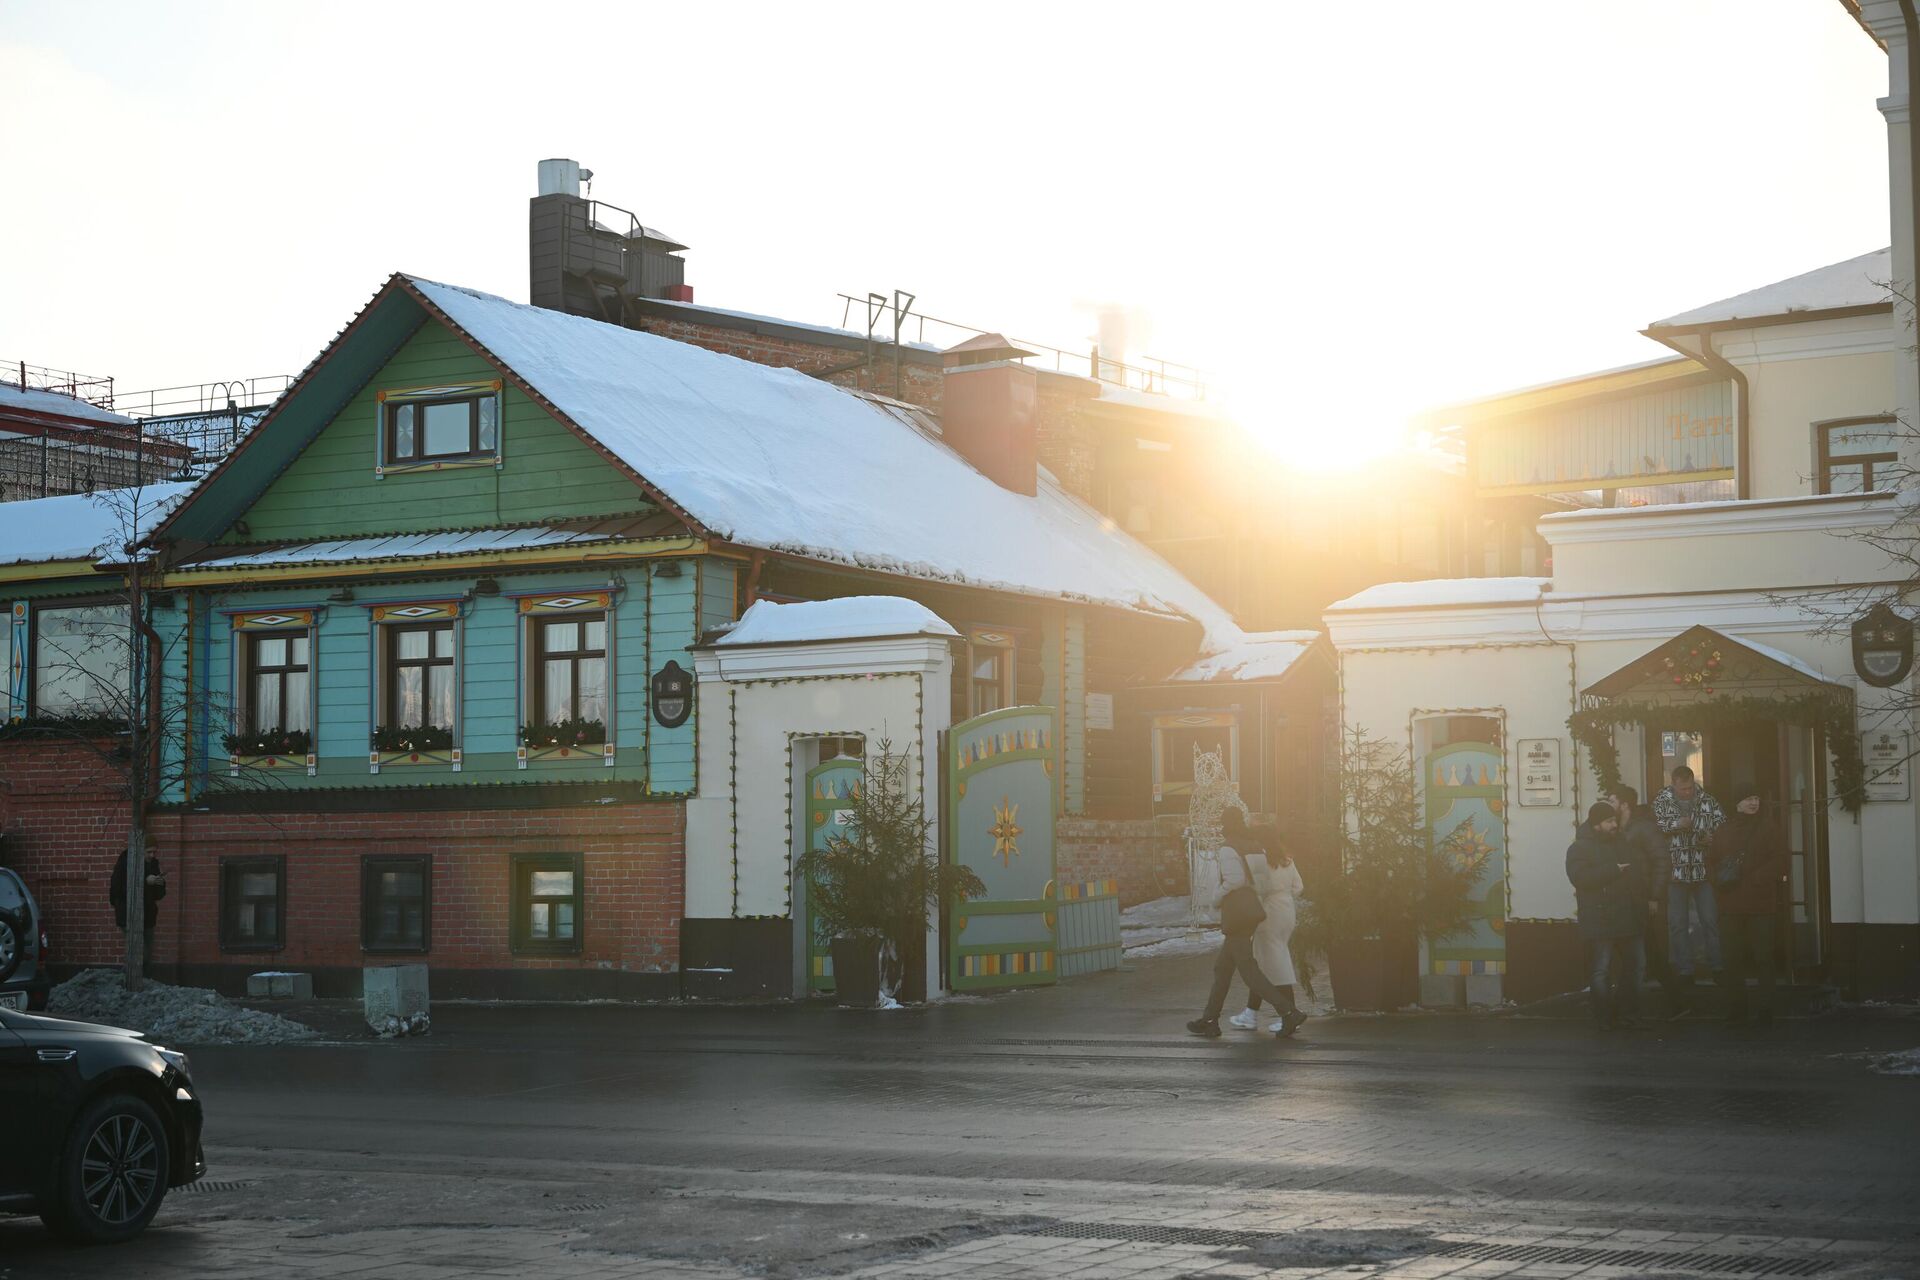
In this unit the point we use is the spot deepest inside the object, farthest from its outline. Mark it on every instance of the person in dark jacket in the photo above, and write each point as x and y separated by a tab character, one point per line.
1748	864
1642	835
1609	886
156	889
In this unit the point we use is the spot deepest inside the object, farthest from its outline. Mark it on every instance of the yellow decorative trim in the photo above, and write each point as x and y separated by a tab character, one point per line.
417	611
638	549
452	464
49	569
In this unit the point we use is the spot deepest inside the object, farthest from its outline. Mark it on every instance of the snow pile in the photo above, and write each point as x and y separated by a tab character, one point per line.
393	1025
1905	1062
169	1014
1167	927
848	618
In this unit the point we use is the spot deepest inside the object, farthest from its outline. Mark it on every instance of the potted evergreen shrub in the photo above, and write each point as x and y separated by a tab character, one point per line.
1393	887
874	888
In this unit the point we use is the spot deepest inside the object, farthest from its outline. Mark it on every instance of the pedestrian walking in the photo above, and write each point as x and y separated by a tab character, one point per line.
1688	817
1643	837
1609	886
1277	880
1241	912
1749	871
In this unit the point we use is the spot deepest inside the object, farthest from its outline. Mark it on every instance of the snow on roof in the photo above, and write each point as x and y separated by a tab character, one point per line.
774	459
848	618
1857	282
1786	659
1442	592
30	400
788	324
403	546
1718	504
1260	655
83	526
1159	402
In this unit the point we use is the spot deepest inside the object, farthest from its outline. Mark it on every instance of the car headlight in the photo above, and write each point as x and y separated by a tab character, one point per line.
177	1060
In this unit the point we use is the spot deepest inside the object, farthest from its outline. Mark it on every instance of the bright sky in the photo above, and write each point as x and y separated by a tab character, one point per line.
1345	213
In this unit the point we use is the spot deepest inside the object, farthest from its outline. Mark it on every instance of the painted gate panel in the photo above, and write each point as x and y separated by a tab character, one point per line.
1466	806
829	788
1000	815
1089	927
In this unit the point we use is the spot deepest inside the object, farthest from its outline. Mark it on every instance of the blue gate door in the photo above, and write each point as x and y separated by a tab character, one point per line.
830	787
1466	810
1000	812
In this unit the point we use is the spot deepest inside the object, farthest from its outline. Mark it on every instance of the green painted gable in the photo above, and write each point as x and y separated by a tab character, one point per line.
330	490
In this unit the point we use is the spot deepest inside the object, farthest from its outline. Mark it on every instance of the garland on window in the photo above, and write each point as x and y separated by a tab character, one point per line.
274	742
564	733
1833	715
419	737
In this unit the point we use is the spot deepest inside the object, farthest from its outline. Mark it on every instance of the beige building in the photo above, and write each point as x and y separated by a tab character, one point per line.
1734	504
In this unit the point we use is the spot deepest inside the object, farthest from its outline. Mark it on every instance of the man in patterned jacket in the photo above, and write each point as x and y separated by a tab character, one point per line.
1688	817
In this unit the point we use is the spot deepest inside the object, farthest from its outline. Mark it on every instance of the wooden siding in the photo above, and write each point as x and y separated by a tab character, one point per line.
673	608
330	489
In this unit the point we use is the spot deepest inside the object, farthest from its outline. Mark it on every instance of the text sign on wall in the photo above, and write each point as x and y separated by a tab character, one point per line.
1658	437
1885	755
1099	711
1539	771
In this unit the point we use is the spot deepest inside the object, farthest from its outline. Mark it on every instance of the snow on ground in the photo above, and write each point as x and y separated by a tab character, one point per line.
1905	1062
170	1015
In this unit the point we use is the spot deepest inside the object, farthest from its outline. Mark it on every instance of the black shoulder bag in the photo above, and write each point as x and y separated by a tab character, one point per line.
1240	909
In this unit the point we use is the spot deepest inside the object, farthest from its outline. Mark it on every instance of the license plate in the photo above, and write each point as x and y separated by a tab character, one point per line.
13	1000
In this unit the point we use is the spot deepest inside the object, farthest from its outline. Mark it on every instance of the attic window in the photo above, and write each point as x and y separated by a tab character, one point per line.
427	428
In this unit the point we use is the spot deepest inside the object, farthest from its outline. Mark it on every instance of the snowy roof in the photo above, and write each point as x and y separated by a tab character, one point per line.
1786	659
29	400
1160	402
848	618
403	546
83	526
1857	282
774	459
1259	655
1444	592
757	318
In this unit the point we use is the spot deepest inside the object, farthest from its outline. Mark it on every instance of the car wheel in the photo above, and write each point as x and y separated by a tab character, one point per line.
13	945
113	1172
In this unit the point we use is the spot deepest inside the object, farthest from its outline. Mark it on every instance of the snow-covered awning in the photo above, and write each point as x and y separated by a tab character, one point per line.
1259	655
847	618
84	526
411	546
1444	593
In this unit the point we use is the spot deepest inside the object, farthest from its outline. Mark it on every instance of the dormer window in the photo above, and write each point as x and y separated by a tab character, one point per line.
430	428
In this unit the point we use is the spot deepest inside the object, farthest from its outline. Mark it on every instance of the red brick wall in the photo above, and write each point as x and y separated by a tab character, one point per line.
633	859
64	813
1066	445
1147	858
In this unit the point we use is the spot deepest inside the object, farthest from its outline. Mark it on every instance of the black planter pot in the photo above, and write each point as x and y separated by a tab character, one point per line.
1375	973
856	972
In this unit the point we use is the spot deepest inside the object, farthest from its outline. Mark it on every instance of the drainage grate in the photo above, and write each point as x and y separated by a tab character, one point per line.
1740	1264
204	1185
1730	1264
583	1206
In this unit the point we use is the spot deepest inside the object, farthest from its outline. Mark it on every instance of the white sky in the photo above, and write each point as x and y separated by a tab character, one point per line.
1345	213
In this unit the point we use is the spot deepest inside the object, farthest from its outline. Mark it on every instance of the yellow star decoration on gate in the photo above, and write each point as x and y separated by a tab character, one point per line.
1005	831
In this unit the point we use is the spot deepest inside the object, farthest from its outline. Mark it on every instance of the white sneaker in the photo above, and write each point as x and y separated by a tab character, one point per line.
1245	1020
1277	1026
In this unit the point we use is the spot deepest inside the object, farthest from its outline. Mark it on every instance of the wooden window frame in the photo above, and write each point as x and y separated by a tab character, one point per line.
390	443
391	662
231	869
371	867
1008	654
31	658
251	670
519	930
538	674
1824	460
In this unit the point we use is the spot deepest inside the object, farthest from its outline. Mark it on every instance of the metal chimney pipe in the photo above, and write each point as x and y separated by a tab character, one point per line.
562	177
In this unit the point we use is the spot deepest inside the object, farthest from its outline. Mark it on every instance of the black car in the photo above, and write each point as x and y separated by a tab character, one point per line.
23	946
98	1124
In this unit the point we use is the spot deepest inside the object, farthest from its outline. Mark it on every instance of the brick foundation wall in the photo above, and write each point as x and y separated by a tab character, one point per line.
633	857
1147	858
63	810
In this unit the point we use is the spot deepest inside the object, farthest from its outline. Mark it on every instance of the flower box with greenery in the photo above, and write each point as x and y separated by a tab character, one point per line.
875	887
564	738
411	744
274	744
1395	886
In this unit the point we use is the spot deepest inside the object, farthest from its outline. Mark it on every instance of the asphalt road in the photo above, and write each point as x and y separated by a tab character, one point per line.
1000	1137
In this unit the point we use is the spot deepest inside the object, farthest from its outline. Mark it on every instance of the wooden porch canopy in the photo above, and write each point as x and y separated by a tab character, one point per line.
1701	667
1717	681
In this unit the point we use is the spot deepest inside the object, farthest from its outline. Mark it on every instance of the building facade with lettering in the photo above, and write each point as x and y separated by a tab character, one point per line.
1732	507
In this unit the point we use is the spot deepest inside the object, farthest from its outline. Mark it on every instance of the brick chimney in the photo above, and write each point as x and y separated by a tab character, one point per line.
990	410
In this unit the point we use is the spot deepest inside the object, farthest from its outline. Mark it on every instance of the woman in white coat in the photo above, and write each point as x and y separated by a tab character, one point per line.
1278	882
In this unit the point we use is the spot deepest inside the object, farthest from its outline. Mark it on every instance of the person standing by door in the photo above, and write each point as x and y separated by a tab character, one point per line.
156	889
1688	817
1645	842
1240	914
1749	869
1609	888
